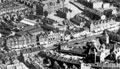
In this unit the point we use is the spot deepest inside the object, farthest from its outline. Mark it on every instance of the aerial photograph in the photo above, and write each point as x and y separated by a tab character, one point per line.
59	34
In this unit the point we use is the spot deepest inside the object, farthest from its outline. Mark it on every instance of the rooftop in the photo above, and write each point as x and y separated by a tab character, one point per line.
36	30
11	7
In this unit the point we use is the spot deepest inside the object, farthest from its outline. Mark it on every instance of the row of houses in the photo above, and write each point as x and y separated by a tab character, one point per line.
100	25
14	13
32	40
14	16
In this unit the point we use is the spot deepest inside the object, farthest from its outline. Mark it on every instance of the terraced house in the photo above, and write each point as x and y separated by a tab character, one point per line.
100	25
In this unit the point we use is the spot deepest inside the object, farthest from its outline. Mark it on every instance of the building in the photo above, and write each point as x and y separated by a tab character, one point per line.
54	37
6	1
82	32
49	38
100	25
114	1
33	4
87	3
68	23
48	24
14	11
12	7
24	39
28	22
80	20
62	12
103	54
87	8
43	5
42	38
85	66
96	10
112	36
52	5
18	42
17	66
32	39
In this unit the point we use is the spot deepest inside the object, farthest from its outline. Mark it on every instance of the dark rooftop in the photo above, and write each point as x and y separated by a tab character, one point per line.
48	21
35	30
